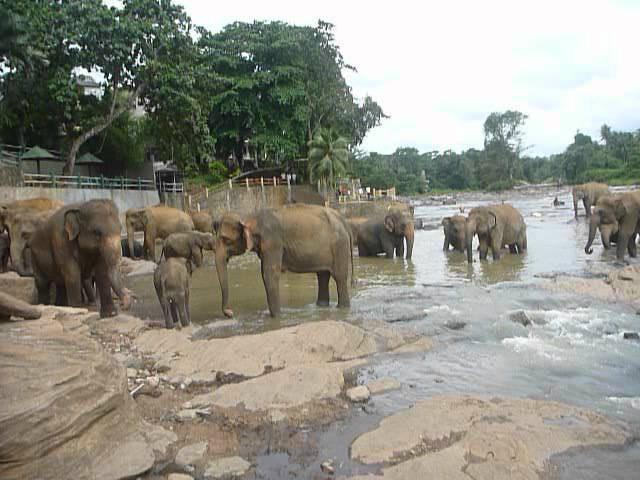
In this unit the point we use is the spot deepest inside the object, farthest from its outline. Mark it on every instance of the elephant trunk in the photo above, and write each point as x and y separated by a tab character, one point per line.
409	234
470	230
221	268
593	227
575	205
111	255
18	258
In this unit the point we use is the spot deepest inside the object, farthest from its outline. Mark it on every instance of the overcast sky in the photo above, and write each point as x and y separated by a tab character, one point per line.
439	68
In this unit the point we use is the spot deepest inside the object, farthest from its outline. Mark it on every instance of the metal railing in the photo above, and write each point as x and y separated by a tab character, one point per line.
79	181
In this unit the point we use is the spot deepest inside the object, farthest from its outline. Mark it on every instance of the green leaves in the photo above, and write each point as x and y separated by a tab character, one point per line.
328	157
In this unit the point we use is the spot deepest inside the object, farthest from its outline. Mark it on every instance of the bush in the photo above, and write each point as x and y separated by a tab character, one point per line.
500	185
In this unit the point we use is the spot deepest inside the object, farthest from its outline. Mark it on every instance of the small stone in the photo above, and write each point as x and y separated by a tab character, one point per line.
227	467
179	476
327	467
383	385
188	381
631	336
153	381
358	394
187	414
132	373
455	324
191	453
520	317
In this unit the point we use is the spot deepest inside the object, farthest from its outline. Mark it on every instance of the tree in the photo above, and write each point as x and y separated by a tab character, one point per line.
503	145
328	157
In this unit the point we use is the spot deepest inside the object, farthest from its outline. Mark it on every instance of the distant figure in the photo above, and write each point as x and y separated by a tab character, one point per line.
557	203
461	209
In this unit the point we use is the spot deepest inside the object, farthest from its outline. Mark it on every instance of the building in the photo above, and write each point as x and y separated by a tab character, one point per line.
88	86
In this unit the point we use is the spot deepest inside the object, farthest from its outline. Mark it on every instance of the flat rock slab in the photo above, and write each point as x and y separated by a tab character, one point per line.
383	385
179	476
17	286
291	387
191	454
358	394
229	467
457	437
66	411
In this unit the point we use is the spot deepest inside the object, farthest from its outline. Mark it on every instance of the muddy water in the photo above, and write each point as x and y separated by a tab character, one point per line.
573	352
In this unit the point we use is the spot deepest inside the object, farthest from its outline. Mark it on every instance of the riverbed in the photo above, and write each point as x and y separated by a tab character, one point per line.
572	351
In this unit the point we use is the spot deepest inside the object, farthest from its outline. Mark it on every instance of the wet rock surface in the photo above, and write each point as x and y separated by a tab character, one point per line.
461	437
230	467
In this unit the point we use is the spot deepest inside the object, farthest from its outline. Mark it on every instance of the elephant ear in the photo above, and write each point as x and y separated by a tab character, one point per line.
492	220
72	223
622	206
389	223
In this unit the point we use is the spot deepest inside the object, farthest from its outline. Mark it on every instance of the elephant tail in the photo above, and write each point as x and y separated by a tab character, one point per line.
162	255
353	271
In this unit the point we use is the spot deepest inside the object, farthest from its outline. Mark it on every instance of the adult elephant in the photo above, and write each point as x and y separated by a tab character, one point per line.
589	193
20	219
387	234
496	226
618	218
157	222
298	238
202	221
455	233
77	243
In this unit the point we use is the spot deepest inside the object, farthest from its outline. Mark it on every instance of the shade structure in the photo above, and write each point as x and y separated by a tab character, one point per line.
89	159
37	153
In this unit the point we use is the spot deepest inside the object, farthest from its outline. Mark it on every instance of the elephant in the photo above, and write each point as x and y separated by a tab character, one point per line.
156	222
454	233
172	281
137	249
202	221
20	219
618	218
77	244
188	245
354	224
387	234
496	226
589	193
298	238
4	252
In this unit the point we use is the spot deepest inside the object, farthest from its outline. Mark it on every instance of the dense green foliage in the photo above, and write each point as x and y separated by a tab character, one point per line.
265	88
328	157
501	164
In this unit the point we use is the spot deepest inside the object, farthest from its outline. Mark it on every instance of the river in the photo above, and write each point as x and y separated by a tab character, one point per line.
573	352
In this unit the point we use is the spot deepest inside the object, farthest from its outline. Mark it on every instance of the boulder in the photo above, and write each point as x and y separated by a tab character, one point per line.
191	454
66	411
229	467
383	385
461	437
358	394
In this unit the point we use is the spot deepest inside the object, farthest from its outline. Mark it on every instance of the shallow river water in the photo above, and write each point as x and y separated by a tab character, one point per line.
574	352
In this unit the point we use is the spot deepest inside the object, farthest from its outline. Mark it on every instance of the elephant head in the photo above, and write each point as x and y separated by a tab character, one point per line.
20	224
481	221
399	221
203	241
234	237
606	216
94	227
454	232
137	219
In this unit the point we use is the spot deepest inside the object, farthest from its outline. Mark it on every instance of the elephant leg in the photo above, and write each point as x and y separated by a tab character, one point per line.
182	310
342	285
633	249
186	306
173	306
271	266
61	295
483	248
496	246
400	248
164	304
89	291
43	290
107	307
587	206
323	289
513	248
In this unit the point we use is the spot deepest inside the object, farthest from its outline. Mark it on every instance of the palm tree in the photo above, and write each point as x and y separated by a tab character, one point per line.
328	156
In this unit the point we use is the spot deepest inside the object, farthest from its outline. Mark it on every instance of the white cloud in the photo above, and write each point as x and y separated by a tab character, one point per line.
439	68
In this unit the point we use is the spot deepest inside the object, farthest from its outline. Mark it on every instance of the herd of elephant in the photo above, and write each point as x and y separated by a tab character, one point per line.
77	248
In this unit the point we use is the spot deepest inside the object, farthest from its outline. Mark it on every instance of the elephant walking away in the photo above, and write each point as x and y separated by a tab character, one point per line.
589	193
618	218
157	222
77	243
387	234
298	238
188	245
454	233
496	226
20	219
172	281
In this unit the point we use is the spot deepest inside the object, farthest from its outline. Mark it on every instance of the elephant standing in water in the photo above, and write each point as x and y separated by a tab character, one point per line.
298	238
77	243
589	193
618	218
454	233
156	222
20	219
387	234
496	226
172	281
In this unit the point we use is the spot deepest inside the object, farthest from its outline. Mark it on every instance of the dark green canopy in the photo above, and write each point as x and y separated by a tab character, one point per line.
89	159
36	153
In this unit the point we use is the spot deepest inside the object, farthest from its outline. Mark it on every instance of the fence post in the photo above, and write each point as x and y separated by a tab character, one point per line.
52	180
206	192
247	182
275	181
198	206
230	185
228	200
189	197
139	183
79	181
101	181
121	182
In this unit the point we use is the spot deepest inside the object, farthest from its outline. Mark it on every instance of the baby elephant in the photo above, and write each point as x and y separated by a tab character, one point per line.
188	245
172	280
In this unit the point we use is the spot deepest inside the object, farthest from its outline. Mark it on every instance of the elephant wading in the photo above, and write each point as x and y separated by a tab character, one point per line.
156	222
617	217
454	233
188	245
589	193
172	281
20	219
387	234
496	226
77	243
298	238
